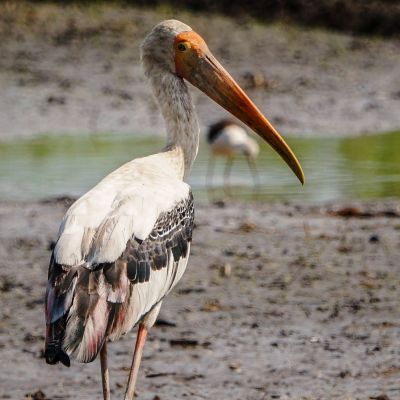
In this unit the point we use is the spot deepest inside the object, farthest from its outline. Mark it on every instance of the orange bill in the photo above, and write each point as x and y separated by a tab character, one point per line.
195	63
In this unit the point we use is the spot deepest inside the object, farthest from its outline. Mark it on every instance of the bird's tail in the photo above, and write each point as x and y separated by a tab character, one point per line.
76	315
82	309
53	347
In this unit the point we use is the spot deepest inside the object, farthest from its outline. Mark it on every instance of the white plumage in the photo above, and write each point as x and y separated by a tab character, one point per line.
124	204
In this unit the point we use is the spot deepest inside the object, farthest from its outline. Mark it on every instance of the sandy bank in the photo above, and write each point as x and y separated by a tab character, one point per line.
76	70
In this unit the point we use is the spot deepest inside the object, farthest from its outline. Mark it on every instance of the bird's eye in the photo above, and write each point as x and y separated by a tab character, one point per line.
183	46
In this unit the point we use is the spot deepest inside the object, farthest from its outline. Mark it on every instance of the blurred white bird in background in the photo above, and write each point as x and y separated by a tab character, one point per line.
228	139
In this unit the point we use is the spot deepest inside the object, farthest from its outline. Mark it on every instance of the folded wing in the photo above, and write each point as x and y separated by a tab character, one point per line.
109	271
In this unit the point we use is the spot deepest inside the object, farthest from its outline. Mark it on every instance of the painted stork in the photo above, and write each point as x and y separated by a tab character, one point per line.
124	245
228	139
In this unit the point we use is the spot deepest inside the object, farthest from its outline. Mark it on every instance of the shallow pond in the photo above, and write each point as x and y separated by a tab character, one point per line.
335	168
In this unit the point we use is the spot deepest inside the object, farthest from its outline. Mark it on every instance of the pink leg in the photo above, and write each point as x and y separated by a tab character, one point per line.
105	378
137	356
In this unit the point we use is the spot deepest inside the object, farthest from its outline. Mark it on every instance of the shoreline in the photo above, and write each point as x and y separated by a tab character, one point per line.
10	139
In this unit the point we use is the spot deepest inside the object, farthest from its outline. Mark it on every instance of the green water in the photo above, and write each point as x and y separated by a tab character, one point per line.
363	167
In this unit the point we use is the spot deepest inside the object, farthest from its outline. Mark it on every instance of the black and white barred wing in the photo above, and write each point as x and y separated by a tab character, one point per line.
108	291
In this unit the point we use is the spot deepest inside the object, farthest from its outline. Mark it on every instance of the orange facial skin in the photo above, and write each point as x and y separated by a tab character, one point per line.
197	48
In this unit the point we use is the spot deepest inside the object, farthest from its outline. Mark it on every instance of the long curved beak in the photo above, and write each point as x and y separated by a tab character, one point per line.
204	71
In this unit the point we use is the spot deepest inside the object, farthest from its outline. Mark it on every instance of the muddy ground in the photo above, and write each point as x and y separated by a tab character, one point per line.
278	302
77	70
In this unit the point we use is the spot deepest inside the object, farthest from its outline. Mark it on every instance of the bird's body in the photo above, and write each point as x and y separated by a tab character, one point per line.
124	245
228	139
121	249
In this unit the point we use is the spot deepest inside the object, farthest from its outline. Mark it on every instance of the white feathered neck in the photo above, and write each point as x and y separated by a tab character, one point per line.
180	118
172	94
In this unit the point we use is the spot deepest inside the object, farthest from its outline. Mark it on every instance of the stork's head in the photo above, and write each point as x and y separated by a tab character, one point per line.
174	47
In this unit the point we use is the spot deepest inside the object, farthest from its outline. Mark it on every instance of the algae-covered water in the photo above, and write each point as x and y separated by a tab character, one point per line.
363	167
